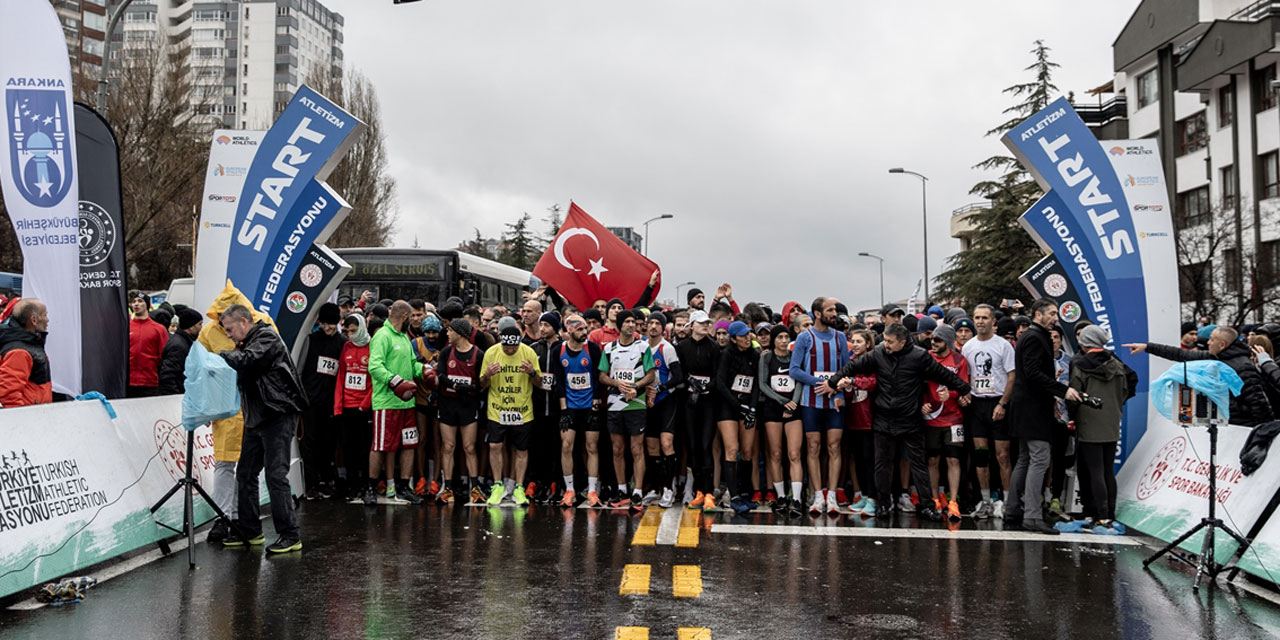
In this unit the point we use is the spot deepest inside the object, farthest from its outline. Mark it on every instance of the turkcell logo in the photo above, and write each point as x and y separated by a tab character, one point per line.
1142	181
39	149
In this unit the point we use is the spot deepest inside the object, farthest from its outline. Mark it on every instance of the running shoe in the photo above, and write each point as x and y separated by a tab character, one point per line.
285	545
1055	506
756	497
390	491
770	498
221	529
433	488
740	506
235	540
421	486
905	504
369	496
884	512
519	497
382	487
841	500
620	502
567	501
868	508
931	514
860	505
695	502
409	497
819	505
444	496
690	496
593	499
985	510
477	496
650	498
496	494
531	489
953	511
833	506
637	502
997	509
668	498
915	499
708	502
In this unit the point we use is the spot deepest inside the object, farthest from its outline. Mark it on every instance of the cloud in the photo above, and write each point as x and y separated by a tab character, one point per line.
766	128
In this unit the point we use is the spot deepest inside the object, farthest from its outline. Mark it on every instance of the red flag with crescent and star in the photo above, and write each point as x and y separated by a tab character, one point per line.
586	262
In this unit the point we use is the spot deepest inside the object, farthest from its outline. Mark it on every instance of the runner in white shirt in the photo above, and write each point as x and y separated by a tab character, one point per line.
991	371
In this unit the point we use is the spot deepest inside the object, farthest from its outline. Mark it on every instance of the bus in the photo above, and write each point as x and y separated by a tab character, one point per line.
433	276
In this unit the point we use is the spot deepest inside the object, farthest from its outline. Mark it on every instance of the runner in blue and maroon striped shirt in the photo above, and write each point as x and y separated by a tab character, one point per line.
819	352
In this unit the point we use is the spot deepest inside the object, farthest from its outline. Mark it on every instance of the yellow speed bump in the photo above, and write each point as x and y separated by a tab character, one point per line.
632	633
693	633
686	581
647	530
635	581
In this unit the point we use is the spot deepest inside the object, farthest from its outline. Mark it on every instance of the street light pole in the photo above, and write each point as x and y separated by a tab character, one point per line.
106	55
869	255
646	230
924	212
687	284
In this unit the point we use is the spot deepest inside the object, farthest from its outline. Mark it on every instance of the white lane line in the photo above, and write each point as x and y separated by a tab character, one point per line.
669	530
931	534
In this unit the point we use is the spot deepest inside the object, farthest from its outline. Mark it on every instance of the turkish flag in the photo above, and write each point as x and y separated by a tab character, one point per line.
586	262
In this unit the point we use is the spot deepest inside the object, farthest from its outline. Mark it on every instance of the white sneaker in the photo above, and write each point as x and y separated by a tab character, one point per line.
904	504
997	509
668	498
650	498
819	505
833	507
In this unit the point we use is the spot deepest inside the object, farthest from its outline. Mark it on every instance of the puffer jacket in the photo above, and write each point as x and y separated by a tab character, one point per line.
228	433
900	384
269	384
1248	409
24	368
1102	375
173	363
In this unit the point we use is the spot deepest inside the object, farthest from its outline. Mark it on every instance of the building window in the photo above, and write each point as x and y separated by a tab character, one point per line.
1270	176
1226	107
1194	281
1263	89
1268	262
1148	88
1231	269
95	21
1227	180
1193	207
93	47
1192	133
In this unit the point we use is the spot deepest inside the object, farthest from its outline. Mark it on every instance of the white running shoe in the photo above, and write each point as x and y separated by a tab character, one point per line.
819	505
997	509
668	498
650	498
904	504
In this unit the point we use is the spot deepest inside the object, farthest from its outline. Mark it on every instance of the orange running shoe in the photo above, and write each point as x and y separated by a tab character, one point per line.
696	503
940	504
568	499
593	500
434	488
382	487
421	487
953	511
708	502
529	490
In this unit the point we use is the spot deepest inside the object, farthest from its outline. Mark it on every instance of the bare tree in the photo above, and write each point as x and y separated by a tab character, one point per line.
363	177
1216	277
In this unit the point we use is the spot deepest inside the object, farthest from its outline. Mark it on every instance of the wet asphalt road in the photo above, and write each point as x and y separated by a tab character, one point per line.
543	572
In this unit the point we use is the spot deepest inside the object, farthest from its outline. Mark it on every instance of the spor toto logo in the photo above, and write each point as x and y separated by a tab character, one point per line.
1070	311
296	302
310	275
97	234
1055	285
1162	464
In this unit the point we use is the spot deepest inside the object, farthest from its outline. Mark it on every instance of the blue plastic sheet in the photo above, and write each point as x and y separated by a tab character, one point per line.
1214	379
211	392
94	395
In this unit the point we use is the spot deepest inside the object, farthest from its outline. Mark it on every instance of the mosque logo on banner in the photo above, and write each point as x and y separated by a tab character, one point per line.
38	147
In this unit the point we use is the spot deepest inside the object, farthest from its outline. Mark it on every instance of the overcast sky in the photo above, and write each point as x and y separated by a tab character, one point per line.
766	128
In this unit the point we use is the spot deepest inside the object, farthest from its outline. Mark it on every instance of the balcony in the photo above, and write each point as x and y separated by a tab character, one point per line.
1096	115
962	225
1256	11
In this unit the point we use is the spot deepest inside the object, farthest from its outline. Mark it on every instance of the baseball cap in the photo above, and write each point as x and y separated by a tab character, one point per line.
698	317
738	328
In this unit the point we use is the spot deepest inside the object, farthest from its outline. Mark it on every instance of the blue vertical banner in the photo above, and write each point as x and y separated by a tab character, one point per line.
285	207
1086	220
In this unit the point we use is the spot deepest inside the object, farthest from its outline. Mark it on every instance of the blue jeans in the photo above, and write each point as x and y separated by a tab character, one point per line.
267	446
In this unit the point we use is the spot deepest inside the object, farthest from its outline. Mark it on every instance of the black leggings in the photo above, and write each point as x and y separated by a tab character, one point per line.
700	430
859	445
357	440
1061	461
1095	468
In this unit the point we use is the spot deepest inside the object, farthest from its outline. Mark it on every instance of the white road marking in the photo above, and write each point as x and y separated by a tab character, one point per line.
669	530
931	534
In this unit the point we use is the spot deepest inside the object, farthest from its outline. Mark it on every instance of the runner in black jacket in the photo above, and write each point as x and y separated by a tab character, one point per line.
738	394
699	356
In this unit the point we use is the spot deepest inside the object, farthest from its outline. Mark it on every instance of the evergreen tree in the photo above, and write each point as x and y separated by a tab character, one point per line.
476	246
520	244
1001	250
554	220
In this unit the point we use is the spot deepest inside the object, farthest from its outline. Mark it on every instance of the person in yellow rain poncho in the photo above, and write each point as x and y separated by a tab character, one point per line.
228	433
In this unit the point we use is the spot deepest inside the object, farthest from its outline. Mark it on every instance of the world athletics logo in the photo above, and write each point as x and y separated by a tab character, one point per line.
39	149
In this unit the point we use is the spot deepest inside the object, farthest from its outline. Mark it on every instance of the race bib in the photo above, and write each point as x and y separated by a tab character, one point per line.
356	381
859	395
706	383
327	366
782	383
957	434
579	381
409	435
463	380
547	381
743	384
984	385
823	376
510	418
626	375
